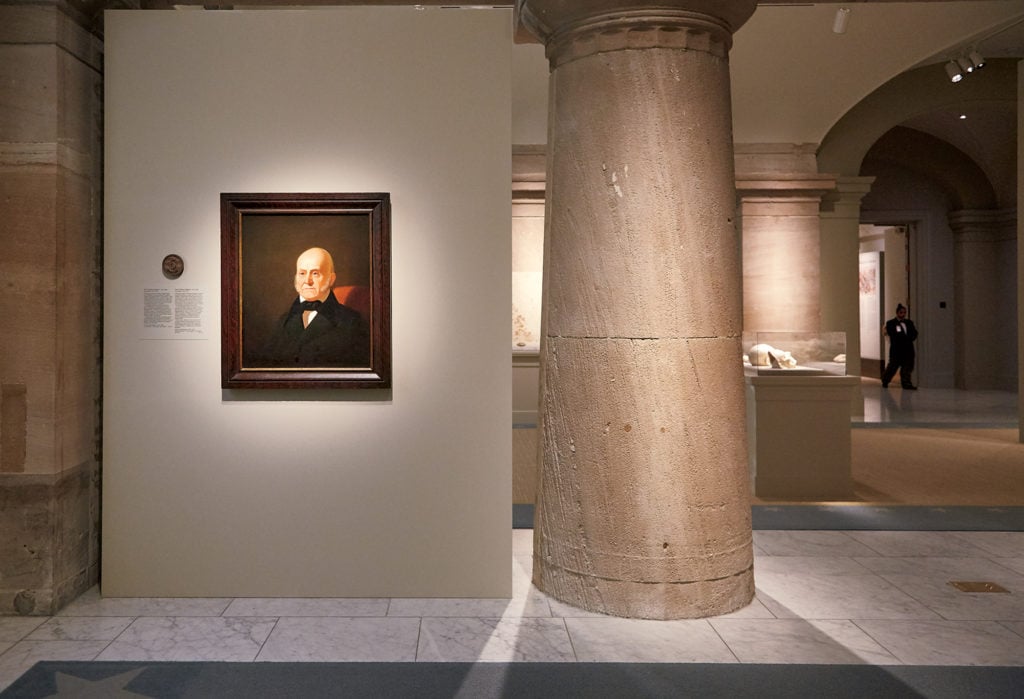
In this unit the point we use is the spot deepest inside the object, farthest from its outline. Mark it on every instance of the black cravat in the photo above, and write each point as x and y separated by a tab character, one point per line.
308	309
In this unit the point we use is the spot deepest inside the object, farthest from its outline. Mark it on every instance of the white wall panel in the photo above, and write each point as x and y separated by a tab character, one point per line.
291	493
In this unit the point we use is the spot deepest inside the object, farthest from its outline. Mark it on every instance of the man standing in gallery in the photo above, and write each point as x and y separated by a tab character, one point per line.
901	333
318	331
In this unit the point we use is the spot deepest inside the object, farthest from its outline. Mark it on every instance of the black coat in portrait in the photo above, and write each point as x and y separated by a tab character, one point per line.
337	337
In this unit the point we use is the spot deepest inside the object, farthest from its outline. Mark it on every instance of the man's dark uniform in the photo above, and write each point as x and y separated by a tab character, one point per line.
902	334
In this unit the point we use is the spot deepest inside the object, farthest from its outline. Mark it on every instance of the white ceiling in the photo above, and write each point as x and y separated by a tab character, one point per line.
793	78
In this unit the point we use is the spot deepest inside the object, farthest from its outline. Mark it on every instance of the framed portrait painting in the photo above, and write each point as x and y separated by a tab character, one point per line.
306	295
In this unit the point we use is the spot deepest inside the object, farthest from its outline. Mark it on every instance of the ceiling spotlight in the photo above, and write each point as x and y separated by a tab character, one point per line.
965	64
953	71
841	20
977	59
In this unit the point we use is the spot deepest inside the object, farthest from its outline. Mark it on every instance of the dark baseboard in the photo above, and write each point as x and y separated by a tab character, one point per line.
861	517
872	368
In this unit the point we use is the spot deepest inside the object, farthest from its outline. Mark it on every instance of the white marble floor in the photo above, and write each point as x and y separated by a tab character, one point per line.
876	597
935	407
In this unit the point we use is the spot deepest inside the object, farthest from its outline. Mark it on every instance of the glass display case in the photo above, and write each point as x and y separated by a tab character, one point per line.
794	353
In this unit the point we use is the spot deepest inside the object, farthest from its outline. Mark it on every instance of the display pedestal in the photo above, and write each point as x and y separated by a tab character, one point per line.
798	432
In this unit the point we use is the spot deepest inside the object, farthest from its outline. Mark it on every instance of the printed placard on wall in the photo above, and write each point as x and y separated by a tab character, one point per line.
306	290
174	313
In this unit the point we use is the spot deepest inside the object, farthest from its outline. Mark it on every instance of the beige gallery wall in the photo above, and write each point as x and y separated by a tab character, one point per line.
310	493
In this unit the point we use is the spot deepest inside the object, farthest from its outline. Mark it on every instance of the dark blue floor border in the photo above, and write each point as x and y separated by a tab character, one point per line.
499	680
935	425
862	517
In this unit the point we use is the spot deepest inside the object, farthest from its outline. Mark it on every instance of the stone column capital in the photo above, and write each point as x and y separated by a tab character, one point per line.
572	29
982	218
845	201
983	225
783	186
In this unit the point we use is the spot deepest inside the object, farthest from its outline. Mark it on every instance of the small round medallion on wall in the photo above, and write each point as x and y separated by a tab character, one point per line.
173	266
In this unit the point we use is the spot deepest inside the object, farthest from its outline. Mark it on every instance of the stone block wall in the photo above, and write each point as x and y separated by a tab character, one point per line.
50	305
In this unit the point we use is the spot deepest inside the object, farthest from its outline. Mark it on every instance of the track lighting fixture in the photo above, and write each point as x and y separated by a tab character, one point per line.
963	64
953	71
970	60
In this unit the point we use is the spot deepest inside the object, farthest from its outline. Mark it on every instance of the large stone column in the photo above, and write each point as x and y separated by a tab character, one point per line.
643	503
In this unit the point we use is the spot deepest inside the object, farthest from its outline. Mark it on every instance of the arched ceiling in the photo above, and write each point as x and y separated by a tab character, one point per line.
955	173
793	78
986	135
915	100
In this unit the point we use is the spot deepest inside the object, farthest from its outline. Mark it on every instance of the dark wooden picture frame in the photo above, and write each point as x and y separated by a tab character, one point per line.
264	239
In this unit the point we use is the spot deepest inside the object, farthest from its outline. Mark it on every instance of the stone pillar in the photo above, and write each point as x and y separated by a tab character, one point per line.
781	244
840	266
643	503
50	199
985	283
1020	252
840	263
